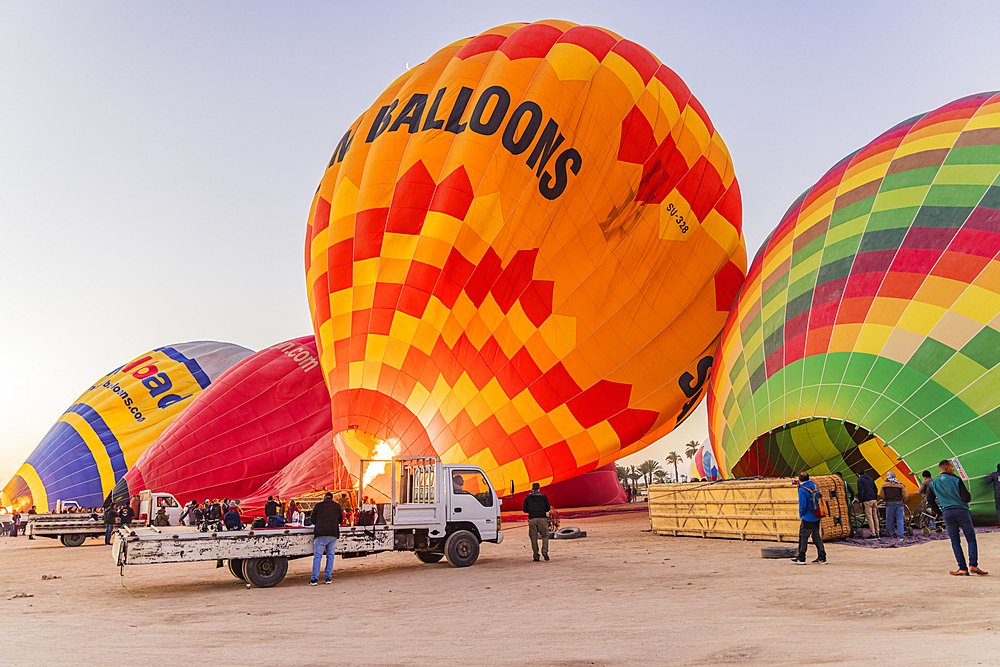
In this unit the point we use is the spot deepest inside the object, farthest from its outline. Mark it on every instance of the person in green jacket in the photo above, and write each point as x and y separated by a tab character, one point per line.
949	496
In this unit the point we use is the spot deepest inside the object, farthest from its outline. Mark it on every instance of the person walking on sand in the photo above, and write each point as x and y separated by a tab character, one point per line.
894	494
868	497
810	522
326	519
536	506
994	479
950	498
109	523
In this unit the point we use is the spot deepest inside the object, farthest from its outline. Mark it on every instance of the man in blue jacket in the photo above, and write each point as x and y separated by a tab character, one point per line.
949	496
810	522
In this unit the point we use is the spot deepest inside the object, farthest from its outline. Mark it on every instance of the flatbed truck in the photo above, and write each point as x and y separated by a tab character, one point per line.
72	530
437	511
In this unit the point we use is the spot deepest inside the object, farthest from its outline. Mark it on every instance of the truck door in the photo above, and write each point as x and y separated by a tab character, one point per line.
472	500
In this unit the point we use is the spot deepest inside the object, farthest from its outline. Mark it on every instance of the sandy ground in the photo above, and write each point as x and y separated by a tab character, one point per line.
620	596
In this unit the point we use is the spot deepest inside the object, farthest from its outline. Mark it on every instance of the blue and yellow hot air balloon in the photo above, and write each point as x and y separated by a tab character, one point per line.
97	439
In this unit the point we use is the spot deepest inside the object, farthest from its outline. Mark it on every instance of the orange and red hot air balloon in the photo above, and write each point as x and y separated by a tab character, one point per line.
521	256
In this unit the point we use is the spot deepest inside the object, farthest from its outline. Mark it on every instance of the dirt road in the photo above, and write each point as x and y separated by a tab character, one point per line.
621	596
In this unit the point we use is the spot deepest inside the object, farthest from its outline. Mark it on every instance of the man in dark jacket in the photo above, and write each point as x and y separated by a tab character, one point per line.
232	519
536	506
109	523
950	497
868	497
994	479
127	514
326	519
810	522
270	507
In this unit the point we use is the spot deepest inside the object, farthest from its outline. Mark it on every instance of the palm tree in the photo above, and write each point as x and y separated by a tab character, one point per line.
634	475
622	473
675	458
660	476
691	448
647	468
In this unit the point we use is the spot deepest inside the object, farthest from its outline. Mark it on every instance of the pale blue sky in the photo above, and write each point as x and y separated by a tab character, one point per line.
157	160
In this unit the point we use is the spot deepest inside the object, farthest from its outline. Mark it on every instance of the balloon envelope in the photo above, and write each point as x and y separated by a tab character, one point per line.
868	331
100	436
522	254
262	429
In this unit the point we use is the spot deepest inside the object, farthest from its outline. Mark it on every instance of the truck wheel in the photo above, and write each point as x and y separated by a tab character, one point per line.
236	568
462	548
569	533
428	557
73	539
264	572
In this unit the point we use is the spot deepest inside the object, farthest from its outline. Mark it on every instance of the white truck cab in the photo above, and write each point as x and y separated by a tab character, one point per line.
150	503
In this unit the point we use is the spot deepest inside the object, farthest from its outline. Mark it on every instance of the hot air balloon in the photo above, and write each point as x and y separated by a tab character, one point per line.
100	436
521	256
868	331
262	429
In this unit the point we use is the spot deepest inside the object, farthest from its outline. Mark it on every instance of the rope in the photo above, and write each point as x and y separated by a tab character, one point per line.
126	587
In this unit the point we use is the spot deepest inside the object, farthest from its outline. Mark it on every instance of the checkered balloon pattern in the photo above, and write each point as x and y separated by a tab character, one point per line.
868	330
521	256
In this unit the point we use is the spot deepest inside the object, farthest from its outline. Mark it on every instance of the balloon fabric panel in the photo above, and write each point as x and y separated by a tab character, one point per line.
522	254
875	306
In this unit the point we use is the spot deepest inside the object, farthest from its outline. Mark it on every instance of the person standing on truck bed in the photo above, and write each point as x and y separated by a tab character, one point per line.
109	523
127	514
536	506
270	507
326	518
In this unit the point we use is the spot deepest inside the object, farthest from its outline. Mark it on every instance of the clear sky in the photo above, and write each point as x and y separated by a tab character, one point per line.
158	160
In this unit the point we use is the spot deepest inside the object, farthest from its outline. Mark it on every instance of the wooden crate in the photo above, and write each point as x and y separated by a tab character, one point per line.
752	509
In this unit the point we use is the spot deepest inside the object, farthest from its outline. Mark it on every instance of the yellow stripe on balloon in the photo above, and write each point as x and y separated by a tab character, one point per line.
96	447
38	496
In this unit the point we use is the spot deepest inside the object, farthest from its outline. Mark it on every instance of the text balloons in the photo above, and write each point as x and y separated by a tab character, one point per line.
875	307
100	436
521	256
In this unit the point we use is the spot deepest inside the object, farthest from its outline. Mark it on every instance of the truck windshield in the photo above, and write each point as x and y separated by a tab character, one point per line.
472	483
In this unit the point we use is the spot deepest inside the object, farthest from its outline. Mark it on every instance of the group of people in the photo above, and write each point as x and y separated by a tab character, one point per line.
944	496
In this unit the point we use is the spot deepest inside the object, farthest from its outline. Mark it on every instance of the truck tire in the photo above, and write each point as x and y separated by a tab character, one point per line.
264	572
779	552
461	548
569	533
72	539
428	557
236	568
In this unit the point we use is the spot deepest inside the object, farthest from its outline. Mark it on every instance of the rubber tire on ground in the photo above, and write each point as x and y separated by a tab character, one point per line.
236	568
264	572
462	548
779	552
569	533
73	539
428	557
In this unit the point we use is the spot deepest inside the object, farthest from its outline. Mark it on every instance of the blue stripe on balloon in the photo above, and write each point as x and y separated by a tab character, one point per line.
191	364
103	432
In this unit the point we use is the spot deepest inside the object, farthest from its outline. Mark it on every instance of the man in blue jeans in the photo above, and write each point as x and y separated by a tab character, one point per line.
109	523
949	496
326	519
